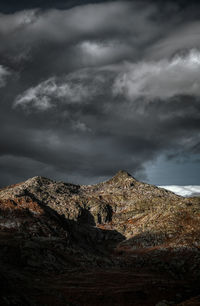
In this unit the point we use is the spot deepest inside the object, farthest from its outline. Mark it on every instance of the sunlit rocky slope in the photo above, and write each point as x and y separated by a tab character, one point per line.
55	228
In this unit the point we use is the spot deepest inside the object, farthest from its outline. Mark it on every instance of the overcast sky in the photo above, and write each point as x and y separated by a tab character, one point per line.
92	87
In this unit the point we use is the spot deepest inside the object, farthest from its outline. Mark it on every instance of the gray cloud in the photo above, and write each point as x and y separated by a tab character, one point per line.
97	90
45	95
151	80
161	79
180	39
81	36
4	73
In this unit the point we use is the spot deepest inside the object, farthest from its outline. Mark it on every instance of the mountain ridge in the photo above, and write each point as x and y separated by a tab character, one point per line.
111	205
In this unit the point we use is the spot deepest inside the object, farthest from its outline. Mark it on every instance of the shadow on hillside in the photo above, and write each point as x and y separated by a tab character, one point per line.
82	232
147	239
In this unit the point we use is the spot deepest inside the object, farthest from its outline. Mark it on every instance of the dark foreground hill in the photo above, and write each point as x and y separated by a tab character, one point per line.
120	242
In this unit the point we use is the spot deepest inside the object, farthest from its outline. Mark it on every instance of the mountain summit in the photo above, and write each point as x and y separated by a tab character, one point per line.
121	177
122	174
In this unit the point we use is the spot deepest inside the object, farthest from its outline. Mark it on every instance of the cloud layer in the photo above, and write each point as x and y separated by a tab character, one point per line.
185	191
3	74
165	79
97	88
162	79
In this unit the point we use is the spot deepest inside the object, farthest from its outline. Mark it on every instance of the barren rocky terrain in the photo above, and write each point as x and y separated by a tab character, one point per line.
119	242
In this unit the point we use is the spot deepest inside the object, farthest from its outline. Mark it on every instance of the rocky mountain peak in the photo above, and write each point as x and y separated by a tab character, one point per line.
38	180
121	178
122	174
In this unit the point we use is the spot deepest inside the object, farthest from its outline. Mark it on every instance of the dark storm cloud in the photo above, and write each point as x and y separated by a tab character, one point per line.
92	89
8	6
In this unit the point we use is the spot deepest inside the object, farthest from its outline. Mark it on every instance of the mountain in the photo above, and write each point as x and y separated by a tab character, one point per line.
119	242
